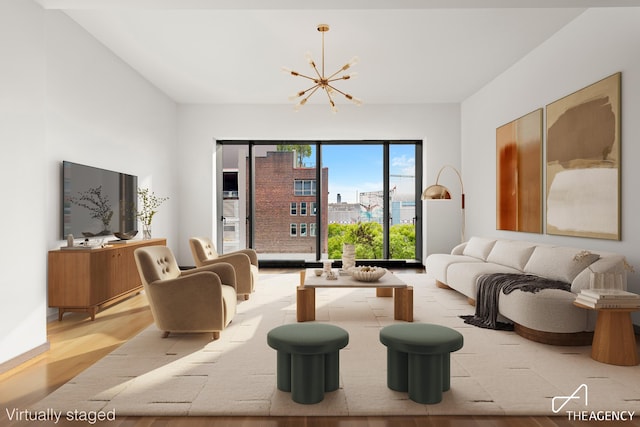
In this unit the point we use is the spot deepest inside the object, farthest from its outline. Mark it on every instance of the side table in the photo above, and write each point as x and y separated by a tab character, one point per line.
614	341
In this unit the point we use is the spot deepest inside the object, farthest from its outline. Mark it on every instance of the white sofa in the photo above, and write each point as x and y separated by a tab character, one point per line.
548	315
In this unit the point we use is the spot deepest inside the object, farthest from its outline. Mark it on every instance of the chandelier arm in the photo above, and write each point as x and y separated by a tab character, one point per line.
339	78
336	73
313	90
329	96
339	91
315	68
314	87
307	77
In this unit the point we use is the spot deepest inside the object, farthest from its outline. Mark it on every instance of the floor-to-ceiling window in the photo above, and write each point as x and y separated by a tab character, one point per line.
293	200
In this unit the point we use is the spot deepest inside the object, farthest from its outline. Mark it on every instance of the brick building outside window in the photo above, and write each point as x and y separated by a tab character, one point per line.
285	205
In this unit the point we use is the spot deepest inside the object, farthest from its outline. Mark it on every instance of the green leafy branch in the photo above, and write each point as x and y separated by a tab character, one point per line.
149	203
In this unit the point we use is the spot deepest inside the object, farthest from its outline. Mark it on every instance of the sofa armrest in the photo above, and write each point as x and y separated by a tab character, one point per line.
607	264
459	249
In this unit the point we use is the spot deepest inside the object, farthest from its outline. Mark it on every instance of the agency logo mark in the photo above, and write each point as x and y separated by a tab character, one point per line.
559	402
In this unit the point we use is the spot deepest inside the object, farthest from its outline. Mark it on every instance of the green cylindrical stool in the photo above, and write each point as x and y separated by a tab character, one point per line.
419	359
308	359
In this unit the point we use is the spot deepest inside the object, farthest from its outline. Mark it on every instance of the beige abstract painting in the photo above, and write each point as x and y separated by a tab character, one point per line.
583	162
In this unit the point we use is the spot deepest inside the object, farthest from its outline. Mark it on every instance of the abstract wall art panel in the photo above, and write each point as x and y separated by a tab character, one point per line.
519	174
583	162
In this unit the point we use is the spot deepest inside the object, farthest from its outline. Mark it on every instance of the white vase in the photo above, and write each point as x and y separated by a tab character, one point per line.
146	231
348	256
609	280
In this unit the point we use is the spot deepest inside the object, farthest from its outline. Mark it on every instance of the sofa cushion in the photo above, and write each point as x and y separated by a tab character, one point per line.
478	247
511	253
462	276
558	263
437	264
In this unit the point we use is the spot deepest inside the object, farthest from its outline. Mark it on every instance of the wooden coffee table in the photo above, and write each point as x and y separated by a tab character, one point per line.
388	285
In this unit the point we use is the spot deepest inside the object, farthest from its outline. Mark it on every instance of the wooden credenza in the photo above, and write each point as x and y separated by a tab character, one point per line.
90	279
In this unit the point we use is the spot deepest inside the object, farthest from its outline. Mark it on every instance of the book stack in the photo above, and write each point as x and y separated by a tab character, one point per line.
608	298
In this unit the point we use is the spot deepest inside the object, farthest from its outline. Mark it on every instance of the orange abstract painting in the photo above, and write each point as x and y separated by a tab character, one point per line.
519	174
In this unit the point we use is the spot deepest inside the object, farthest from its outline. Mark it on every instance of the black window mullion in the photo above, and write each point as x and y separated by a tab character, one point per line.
319	192
386	215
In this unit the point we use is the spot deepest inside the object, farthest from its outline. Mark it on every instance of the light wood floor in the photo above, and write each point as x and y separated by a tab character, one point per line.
77	343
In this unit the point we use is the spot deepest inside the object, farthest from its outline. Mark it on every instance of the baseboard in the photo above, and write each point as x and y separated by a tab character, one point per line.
24	357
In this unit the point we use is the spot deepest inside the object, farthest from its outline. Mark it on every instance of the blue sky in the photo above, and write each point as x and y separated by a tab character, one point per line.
358	168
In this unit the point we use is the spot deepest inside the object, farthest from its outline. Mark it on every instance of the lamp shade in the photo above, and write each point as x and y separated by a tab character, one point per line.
436	191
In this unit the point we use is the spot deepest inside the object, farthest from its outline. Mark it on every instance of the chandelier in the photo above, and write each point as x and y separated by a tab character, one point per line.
320	81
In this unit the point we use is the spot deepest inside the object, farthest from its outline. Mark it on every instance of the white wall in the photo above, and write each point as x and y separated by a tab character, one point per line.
69	99
595	45
200	126
100	112
22	179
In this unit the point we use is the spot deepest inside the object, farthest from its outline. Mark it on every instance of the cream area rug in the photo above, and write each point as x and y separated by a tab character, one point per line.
495	373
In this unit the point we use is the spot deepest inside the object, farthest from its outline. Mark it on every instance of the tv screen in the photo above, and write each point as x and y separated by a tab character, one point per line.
97	202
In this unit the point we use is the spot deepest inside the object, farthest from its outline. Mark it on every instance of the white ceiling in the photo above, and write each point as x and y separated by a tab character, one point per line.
410	51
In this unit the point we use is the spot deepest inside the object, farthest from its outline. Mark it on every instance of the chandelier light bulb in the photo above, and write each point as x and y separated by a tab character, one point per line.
322	81
355	100
308	57
296	96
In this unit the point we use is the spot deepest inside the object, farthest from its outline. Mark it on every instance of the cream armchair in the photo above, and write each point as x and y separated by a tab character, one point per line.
197	300
244	261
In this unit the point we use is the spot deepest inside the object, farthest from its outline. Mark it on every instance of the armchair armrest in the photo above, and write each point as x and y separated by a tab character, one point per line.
251	253
223	270
187	303
242	266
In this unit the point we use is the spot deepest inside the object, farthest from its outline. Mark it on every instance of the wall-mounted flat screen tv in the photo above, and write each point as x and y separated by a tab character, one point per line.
97	202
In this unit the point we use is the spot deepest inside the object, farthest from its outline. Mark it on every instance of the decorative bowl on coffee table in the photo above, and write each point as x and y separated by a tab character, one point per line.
368	274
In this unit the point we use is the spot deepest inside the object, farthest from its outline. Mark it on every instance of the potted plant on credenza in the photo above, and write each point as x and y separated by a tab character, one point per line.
147	208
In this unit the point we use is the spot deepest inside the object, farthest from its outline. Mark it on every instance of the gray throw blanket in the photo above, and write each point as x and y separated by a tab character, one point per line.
489	288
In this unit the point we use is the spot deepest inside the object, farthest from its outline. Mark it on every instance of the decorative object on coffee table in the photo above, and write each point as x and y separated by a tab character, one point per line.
367	274
348	256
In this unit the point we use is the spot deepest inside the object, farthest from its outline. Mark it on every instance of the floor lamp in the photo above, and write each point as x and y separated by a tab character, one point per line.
440	192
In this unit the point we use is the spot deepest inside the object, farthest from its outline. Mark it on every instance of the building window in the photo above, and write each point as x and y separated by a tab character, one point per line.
304	187
303	208
312	229
313	208
293	231
303	230
230	184
293	210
